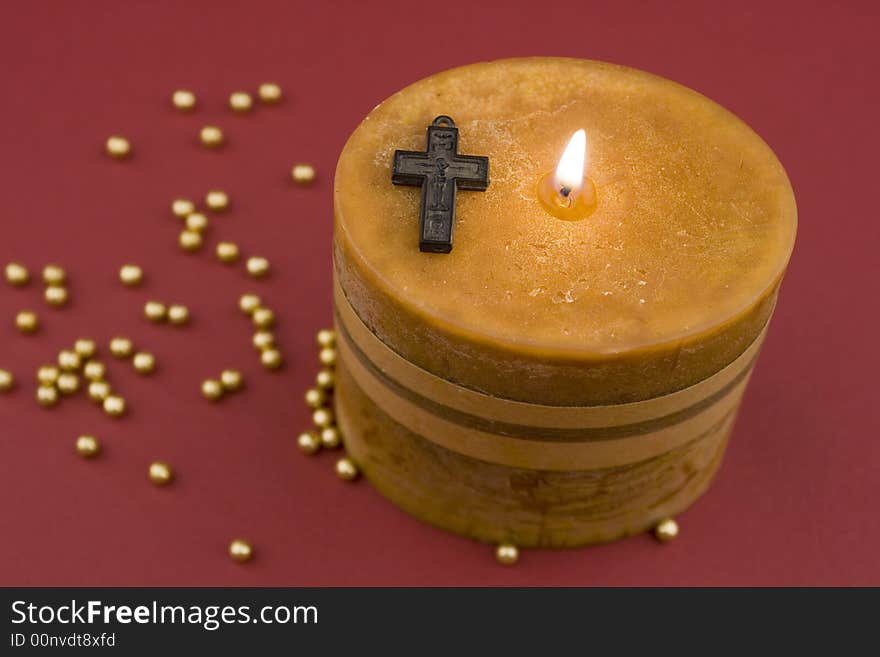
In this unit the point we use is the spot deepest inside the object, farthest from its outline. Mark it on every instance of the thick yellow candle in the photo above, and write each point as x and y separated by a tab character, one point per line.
555	381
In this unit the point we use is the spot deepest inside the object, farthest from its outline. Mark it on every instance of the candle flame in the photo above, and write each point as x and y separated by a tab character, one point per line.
569	176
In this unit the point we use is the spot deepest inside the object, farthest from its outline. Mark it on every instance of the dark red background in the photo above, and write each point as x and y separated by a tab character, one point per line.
797	499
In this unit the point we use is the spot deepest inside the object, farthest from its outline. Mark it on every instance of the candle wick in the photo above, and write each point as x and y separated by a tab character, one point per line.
565	193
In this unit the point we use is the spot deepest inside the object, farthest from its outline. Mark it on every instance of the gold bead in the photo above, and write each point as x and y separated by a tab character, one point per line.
182	207
227	252
88	446
263	318
155	311
271	359
69	361
178	314
47	396
121	347
131	275
17	274
160	473
217	200
327	357
94	370
184	100
303	174
68	383
330	438
55	295
263	340
240	551
315	398
211	136
190	240
240	101
197	222
346	469
212	389
114	406
326	338
99	391
232	380
666	530
144	363
7	381
309	442
54	275
27	321
47	375
326	379
85	347
257	266
118	147
507	554
270	92
322	417
248	303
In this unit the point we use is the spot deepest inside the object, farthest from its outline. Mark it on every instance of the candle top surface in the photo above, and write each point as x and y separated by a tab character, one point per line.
694	222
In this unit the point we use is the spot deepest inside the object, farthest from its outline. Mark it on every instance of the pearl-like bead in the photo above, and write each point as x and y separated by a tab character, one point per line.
7	381
117	147
303	174
326	338
240	101
325	379
183	100
47	396
160	473
85	347
263	340
131	275
121	347
212	389
248	303
94	370
346	469
330	438
327	356
55	295
507	554
211	136
271	359
88	446
69	360
144	363
182	207
263	318
190	240
54	275
315	398
47	375
196	222
17	274
27	321
666	530
257	266
178	314
323	418
240	551
232	380
114	406
270	92
217	200
155	311
308	442
227	252
99	391
68	383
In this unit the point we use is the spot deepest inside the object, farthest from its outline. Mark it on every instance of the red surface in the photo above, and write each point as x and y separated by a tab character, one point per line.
797	499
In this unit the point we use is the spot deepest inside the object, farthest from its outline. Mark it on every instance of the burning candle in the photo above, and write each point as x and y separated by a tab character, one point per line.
571	371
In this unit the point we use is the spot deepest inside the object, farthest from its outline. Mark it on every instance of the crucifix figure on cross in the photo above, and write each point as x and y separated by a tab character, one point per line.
439	171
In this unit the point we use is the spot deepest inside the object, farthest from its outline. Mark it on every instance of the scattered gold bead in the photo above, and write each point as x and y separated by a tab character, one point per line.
118	147
248	303
47	395
315	398
114	406
131	275
7	381
303	174
326	379
99	391
47	375
184	100
507	554
257	266
217	200
323	418
263	318
69	360
55	295
212	389
94	370
54	275
346	469
144	363
178	314
190	240
326	338
85	347
263	340
666	530
182	207
197	222
88	446
327	356
68	383
160	473
240	550
227	252
211	136
271	359
121	347
308	442
330	438
155	311
240	101
17	274
27	321
232	380
270	92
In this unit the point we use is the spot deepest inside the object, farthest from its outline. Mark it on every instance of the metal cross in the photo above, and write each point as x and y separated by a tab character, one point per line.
439	172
